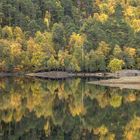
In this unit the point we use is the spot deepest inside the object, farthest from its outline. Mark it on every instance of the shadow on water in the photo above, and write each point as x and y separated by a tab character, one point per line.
37	109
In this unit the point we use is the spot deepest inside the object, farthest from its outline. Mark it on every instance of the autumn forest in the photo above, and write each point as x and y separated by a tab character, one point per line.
70	35
69	69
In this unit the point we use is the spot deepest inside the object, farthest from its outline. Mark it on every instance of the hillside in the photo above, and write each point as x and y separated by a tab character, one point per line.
70	35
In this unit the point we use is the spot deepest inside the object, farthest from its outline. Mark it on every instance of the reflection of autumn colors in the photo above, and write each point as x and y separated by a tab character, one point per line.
132	129
72	108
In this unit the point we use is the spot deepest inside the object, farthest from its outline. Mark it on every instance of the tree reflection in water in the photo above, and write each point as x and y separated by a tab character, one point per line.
34	109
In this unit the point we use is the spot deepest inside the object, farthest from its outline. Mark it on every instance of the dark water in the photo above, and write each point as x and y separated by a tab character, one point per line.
34	109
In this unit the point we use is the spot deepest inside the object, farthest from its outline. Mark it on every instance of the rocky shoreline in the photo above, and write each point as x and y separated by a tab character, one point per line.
132	82
63	75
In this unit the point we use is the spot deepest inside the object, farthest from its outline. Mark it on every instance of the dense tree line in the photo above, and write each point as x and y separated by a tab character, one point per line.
72	35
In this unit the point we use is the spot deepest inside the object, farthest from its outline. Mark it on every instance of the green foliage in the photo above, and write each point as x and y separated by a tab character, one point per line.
90	34
58	36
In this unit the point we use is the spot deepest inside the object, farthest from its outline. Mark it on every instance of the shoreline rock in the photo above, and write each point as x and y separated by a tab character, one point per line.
123	82
61	75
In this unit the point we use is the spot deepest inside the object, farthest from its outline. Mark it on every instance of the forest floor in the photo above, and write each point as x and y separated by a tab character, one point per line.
132	82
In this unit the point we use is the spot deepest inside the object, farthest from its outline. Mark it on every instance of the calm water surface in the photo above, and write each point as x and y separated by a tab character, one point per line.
34	109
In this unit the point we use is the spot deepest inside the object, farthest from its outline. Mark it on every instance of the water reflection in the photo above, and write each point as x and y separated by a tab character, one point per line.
34	109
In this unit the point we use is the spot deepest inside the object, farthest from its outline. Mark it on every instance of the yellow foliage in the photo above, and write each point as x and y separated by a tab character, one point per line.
52	86
115	65
116	101
15	100
130	51
117	51
46	21
98	2
33	47
47	18
101	17
135	23
18	33
76	40
2	65
53	63
103	133
132	129
129	11
61	92
44	40
129	135
47	128
131	97
45	108
102	130
77	109
134	124
103	101
8	117
62	55
104	48
107	8
110	136
7	32
132	15
33	101
15	49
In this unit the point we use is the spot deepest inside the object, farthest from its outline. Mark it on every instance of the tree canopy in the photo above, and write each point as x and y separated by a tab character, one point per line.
89	34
